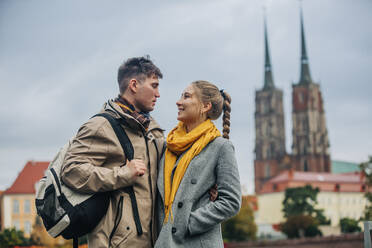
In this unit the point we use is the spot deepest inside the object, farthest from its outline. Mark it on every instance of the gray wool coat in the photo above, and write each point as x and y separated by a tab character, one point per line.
196	219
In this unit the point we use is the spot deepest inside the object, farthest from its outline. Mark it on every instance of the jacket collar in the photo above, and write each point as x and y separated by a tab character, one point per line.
118	113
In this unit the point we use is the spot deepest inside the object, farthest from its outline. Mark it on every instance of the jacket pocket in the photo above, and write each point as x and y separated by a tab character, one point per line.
123	226
212	238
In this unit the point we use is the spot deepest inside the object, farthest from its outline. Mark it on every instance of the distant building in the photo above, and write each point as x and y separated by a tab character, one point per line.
340	195
18	202
341	183
310	136
1	200
310	143
270	153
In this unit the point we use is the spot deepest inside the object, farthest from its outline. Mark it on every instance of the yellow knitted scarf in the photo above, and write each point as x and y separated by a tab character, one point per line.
178	141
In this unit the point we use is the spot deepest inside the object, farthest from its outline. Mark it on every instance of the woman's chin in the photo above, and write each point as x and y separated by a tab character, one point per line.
182	118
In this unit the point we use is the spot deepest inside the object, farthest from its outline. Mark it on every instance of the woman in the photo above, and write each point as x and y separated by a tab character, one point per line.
196	159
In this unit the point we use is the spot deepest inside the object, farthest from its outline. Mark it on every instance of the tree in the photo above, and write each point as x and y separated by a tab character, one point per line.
12	237
349	225
240	227
40	236
302	218
297	226
366	169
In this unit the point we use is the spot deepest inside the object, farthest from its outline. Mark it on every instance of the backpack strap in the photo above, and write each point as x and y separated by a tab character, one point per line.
75	242
121	134
129	153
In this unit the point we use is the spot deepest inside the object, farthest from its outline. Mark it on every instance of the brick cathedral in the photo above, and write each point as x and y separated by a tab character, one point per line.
310	144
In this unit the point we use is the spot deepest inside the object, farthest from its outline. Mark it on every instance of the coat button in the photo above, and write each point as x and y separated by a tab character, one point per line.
180	204
174	230
193	181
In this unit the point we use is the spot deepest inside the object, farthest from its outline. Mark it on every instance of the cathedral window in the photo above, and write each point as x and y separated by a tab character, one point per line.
303	148
301	97
272	148
305	125
306	166
273	103
268	153
267	170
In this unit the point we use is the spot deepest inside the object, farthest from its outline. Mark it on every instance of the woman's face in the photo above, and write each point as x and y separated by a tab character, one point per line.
189	106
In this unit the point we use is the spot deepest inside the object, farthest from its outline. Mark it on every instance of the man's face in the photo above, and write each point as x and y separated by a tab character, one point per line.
147	93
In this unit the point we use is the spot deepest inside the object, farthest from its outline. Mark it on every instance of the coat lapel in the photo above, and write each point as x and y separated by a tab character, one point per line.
161	174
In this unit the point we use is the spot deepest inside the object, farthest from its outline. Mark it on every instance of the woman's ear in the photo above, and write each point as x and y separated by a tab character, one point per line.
206	107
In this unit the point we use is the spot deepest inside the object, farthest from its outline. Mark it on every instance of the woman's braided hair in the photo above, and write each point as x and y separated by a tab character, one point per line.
220	101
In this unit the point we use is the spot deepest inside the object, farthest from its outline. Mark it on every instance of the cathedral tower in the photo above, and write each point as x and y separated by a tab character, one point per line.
269	123
310	137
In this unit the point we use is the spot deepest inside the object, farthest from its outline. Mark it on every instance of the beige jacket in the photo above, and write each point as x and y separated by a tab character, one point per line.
95	163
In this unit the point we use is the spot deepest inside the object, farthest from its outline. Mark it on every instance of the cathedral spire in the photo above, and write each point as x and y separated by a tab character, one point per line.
268	80
305	77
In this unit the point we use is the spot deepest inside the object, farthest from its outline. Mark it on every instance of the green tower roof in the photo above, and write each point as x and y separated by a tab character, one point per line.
344	167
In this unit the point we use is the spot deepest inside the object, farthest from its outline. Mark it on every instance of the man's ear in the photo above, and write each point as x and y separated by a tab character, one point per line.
133	85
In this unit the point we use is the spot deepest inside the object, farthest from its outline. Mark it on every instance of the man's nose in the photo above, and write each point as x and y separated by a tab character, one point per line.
157	93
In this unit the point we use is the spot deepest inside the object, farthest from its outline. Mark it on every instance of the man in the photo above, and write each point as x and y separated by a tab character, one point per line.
95	161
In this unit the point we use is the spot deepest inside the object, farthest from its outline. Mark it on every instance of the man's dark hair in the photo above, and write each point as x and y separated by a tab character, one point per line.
138	68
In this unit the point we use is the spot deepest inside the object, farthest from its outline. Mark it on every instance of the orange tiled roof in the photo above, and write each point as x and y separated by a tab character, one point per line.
25	182
353	177
344	182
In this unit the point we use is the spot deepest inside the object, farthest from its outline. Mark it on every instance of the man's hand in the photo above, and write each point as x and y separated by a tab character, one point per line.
213	193
137	166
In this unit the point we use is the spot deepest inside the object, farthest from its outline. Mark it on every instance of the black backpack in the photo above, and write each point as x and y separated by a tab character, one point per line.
71	214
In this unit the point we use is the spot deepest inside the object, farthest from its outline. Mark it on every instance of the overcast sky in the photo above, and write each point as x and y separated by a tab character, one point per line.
59	59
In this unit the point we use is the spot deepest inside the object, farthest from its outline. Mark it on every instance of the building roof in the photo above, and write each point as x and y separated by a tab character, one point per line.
26	179
268	80
343	166
305	77
342	182
351	177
